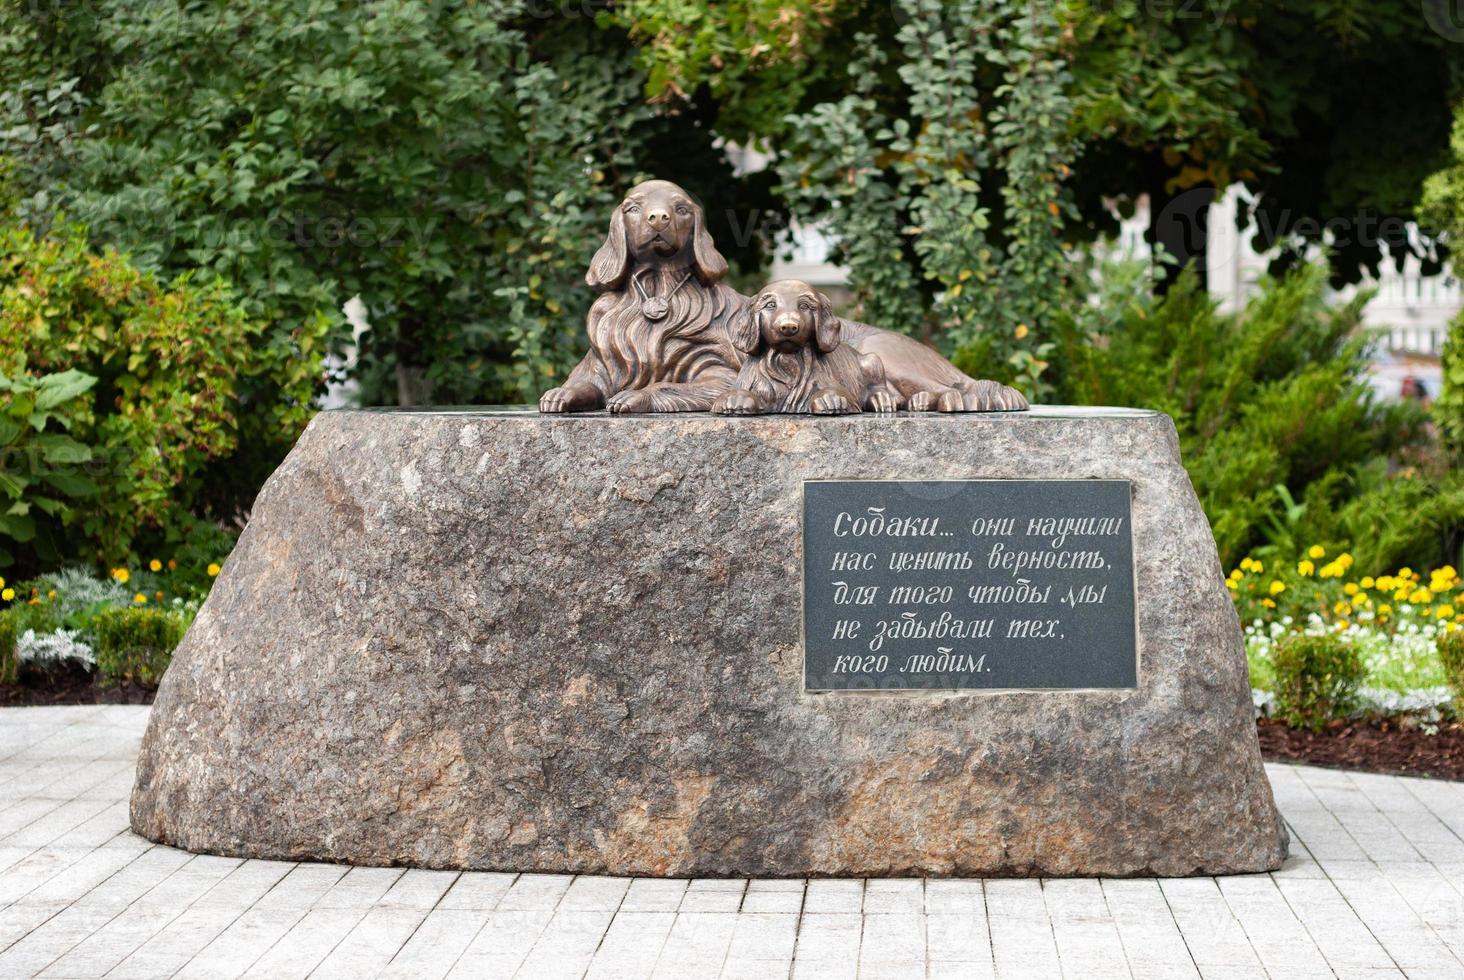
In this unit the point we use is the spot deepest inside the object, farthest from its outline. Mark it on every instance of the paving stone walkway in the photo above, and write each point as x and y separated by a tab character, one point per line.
1375	888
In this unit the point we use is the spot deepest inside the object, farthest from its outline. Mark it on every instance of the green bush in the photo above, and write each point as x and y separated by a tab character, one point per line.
9	665
135	644
1274	396
1317	678
171	365
1451	655
1410	517
40	479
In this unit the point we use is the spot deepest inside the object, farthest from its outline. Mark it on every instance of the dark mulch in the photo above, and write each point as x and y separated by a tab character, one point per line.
1375	745
71	684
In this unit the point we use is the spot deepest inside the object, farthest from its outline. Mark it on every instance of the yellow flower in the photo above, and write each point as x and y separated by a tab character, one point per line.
1445	612
51	594
1022	331
1341	609
1368	582
1345	560
2	583
1316	551
155	565
1305	567
1278	587
158	595
139	598
1385	610
121	575
1360	599
214	569
1231	584
7	595
1268	603
1350	588
1405	572
1386	582
1420	596
34	602
1331	570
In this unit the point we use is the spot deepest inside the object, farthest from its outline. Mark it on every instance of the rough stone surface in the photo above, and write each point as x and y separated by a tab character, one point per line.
500	641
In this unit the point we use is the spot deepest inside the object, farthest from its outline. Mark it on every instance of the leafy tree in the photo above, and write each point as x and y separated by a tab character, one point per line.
1172	100
451	163
901	181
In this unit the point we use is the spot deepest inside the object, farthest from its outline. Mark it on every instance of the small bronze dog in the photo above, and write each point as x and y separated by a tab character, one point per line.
796	362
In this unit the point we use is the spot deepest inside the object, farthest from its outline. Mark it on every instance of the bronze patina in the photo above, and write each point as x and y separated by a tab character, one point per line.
796	361
662	330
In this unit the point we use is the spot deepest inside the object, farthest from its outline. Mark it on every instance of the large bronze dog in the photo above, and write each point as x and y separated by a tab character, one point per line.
660	338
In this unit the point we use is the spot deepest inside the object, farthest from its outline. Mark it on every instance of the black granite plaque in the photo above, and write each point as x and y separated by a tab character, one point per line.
968	584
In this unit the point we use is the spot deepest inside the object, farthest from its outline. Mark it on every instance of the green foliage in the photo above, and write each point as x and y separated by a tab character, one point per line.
136	644
757	58
1448	408
909	184
9	665
1272	397
450	163
40	484
1451	655
162	419
1386	520
1443	207
1317	678
1164	97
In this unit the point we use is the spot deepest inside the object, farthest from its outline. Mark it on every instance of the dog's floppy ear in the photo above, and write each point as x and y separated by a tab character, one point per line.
710	265
611	263
746	335
826	331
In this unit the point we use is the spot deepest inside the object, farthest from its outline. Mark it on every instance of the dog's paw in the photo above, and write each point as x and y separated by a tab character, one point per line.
629	402
832	403
923	401
555	400
988	396
735	403
950	400
883	401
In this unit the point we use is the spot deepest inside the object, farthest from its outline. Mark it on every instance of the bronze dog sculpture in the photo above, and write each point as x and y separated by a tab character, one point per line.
660	332
796	362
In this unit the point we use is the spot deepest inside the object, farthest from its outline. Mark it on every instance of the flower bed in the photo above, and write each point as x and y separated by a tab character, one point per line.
1393	625
71	637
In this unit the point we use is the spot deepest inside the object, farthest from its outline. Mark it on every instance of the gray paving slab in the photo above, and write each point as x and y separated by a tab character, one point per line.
1374	888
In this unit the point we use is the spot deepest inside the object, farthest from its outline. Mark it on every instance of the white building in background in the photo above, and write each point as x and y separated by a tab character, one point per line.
1409	313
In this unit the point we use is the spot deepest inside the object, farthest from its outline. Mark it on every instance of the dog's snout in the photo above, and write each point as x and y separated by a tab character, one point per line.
658	218
788	324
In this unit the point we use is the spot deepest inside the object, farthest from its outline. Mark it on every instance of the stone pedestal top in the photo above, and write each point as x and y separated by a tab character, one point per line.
481	638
